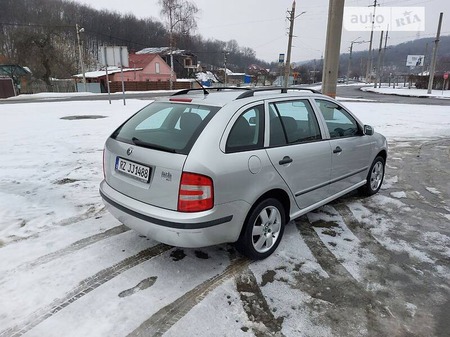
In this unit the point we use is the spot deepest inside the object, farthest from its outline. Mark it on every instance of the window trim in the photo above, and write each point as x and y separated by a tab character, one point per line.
359	124
232	121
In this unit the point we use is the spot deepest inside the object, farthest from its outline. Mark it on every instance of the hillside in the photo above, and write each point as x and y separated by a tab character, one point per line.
41	34
395	57
394	60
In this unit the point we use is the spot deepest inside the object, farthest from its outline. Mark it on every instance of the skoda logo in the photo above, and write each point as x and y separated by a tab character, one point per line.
129	151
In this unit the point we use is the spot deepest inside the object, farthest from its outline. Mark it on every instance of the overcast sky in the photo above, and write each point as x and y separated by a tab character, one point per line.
262	25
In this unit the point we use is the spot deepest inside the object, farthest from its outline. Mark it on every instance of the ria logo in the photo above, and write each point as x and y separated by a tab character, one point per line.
384	18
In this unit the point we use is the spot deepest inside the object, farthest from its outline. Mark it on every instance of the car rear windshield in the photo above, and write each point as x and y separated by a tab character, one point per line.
171	127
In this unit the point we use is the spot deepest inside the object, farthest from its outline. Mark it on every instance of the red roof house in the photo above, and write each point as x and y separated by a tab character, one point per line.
154	68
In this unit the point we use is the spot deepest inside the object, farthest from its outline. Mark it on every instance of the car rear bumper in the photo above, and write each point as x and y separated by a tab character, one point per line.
221	224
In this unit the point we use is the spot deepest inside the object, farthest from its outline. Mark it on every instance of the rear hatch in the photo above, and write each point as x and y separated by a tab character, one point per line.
144	157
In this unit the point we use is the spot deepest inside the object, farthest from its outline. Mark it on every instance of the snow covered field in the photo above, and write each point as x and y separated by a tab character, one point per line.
68	268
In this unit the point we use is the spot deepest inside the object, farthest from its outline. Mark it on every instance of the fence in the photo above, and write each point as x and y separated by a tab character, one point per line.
147	86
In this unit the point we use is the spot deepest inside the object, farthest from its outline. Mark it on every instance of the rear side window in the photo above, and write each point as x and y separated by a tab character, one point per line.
292	122
171	127
247	131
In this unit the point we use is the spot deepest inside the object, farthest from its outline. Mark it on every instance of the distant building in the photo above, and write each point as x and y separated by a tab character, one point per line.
19	75
184	62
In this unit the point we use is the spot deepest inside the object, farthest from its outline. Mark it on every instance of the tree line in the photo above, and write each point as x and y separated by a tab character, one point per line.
41	34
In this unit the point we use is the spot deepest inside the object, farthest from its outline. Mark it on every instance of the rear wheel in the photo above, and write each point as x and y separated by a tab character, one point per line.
374	177
263	230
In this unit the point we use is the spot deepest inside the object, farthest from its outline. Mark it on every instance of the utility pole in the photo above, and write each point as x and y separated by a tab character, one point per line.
332	47
287	68
350	55
425	57
81	30
378	76
225	68
433	60
385	46
369	59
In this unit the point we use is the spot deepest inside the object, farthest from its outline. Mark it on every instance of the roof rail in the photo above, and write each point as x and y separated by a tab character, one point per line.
206	91
282	90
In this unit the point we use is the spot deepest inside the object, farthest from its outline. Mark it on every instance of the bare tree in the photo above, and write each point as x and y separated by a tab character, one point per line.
180	20
180	16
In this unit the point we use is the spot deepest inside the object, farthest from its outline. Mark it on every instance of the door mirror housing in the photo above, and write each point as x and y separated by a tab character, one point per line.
368	130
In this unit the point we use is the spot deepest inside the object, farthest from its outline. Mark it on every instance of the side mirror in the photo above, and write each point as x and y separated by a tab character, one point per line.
368	130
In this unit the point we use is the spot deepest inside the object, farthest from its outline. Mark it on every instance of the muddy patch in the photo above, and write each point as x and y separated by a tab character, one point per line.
201	255
144	284
73	118
65	181
178	255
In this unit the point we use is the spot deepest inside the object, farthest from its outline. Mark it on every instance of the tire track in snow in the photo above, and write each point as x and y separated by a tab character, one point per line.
91	212
166	317
80	244
84	287
324	257
256	307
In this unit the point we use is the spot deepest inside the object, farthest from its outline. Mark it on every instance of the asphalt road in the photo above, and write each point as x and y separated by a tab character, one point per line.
352	92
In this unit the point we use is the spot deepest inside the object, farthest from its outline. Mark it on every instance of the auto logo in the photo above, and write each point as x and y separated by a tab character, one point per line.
129	151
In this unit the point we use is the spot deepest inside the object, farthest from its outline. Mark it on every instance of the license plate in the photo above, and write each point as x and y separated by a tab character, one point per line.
133	169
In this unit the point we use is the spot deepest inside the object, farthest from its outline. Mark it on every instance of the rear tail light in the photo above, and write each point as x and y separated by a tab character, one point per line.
196	193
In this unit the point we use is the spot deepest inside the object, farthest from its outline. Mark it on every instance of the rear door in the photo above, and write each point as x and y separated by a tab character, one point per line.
351	149
298	151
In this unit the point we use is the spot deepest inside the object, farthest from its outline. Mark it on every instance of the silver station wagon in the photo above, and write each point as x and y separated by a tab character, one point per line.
235	165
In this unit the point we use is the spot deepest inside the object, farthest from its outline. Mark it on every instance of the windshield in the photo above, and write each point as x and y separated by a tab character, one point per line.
165	126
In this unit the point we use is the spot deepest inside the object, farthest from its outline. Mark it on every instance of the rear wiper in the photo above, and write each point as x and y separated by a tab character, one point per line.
139	142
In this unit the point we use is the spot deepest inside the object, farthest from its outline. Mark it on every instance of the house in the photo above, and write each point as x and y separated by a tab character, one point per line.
184	62
153	69
19	75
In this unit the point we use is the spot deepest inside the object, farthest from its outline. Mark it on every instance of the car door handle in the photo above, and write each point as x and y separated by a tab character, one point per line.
285	160
337	149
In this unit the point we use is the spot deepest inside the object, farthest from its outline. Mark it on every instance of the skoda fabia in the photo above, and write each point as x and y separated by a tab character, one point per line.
202	168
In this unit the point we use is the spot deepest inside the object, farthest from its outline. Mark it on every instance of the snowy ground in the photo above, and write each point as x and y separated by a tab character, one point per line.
404	91
356	267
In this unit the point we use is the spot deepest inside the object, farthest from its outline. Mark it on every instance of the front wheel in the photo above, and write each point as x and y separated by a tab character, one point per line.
374	177
263	230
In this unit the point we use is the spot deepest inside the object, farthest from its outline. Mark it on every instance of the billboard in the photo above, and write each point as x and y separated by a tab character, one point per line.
415	60
111	56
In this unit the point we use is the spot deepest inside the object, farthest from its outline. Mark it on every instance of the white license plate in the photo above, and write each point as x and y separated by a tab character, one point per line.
133	169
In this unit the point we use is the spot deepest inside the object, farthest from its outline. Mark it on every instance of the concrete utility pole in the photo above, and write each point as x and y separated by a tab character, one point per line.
350	56
385	46
380	48
332	47
287	68
369	59
433	60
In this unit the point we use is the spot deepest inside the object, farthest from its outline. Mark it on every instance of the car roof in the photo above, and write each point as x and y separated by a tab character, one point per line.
223	96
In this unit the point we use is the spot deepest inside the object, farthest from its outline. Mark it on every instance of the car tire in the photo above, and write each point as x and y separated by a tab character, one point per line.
374	177
263	230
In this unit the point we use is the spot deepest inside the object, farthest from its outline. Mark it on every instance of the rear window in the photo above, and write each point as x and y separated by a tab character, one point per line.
171	127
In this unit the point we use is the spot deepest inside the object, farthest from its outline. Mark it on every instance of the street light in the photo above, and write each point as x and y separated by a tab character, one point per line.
81	30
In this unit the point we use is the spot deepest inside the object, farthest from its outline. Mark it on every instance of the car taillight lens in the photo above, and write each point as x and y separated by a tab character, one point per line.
196	193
